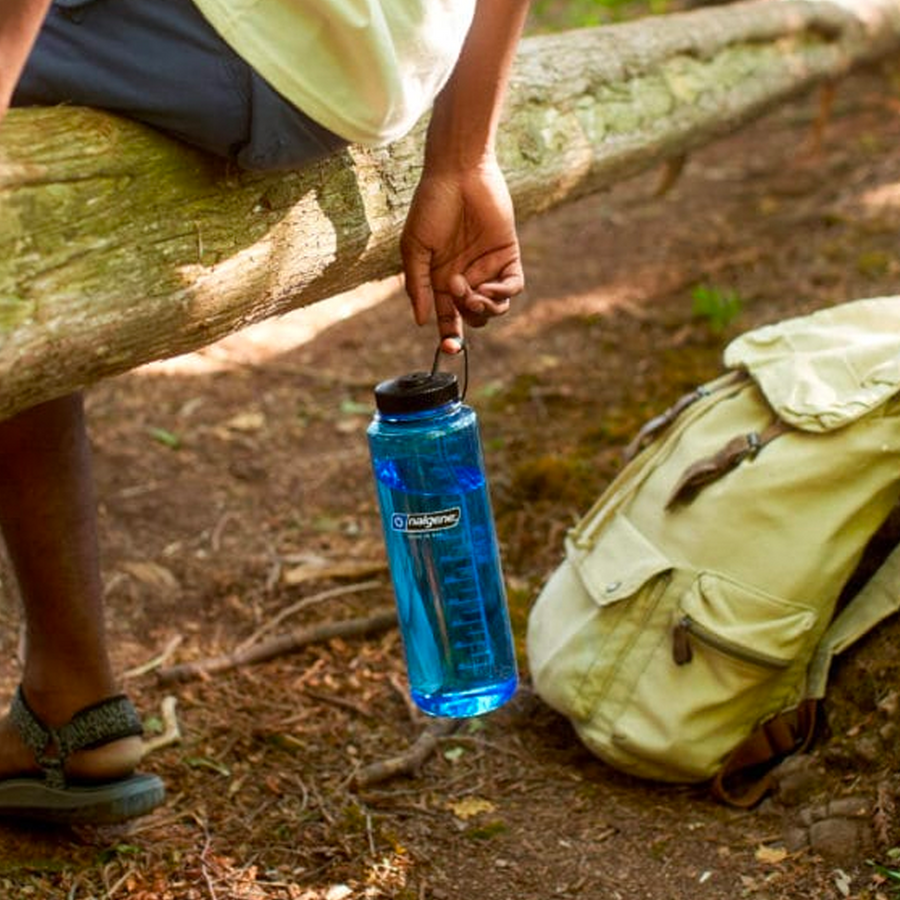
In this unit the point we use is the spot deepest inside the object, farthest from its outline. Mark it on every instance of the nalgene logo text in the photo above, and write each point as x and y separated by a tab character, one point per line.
421	523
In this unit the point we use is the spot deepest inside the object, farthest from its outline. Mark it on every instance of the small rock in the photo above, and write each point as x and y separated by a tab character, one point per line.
796	838
868	749
840	839
810	814
839	830
890	705
850	808
797	779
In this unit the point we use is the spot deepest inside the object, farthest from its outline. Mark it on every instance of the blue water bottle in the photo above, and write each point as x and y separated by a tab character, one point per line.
441	545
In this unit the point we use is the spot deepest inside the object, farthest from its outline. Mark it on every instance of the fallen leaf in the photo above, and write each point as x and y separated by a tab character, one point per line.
350	426
352	408
351	569
469	807
165	437
272	784
771	854
250	420
204	762
842	882
338	892
152	574
452	754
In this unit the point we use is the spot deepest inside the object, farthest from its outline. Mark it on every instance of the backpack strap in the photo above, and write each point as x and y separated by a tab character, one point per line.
746	775
878	598
660	423
729	457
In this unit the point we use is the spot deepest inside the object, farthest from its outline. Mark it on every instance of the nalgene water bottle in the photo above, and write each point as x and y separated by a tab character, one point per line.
441	545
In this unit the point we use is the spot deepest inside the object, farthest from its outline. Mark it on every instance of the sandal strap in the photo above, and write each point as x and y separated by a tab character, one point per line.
100	723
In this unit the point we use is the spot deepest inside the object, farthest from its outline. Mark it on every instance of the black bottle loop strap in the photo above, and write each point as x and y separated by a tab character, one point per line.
465	352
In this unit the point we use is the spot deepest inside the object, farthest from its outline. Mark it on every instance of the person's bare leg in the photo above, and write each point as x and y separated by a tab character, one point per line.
48	521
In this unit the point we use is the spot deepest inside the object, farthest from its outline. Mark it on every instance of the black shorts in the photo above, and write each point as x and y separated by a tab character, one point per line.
160	62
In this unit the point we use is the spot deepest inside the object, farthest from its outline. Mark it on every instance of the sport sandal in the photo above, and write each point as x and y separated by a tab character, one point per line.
52	796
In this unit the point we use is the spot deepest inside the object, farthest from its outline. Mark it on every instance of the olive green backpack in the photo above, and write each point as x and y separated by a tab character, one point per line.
688	633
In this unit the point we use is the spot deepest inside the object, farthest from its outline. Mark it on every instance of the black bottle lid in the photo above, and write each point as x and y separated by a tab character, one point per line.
416	392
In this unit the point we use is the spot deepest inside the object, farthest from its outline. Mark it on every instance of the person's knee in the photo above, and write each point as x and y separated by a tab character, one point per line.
23	430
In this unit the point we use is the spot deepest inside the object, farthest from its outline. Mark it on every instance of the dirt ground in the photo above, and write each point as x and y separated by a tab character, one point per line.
237	503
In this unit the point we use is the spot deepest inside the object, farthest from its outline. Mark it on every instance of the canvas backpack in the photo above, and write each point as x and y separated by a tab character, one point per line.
688	632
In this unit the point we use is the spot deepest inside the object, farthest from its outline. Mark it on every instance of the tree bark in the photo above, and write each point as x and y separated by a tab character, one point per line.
119	246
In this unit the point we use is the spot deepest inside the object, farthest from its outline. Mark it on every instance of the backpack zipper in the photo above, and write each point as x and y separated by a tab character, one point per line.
682	653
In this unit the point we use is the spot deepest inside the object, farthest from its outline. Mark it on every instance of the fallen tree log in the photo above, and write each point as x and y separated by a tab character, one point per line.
119	246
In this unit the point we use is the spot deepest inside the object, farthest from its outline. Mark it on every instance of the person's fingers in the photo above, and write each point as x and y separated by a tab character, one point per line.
497	274
417	279
459	287
477	310
508	287
452	345
449	322
476	307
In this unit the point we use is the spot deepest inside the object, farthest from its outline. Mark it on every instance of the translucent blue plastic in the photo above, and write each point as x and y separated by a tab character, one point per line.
444	560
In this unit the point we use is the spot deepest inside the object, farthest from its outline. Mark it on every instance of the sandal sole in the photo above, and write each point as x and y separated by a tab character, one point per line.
97	804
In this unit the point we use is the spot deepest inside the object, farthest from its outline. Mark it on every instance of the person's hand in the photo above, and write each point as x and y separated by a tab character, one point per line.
460	250
20	22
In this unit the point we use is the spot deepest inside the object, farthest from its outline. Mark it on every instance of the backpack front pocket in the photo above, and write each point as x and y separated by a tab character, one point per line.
729	663
741	623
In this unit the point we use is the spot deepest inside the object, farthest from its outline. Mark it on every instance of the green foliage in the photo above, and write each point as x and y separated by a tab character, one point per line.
488	831
165	437
118	851
888	874
558	15
874	263
716	306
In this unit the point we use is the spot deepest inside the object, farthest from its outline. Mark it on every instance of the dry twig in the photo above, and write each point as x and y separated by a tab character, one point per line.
171	733
415	714
305	602
883	817
410	761
157	660
277	646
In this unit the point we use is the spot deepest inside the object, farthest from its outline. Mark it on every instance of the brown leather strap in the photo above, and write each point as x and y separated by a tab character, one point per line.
711	468
659	423
746	776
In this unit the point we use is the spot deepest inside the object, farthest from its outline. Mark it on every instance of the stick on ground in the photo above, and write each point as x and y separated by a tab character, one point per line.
289	642
410	761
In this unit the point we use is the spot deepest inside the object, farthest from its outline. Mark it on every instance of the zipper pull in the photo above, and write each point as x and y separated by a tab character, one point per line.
681	643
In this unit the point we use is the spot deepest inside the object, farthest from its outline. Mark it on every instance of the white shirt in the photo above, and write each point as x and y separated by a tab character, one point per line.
365	69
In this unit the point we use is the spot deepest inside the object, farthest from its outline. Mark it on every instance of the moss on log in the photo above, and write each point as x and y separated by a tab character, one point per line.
119	246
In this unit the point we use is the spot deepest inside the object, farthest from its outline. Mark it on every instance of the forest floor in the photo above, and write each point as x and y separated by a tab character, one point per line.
235	488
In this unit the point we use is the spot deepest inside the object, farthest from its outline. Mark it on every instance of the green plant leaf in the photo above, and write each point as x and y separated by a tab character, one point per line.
166	438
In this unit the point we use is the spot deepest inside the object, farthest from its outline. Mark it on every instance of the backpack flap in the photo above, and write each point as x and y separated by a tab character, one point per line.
823	371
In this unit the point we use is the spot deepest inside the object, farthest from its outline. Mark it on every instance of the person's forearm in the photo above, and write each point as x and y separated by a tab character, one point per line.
466	113
20	21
